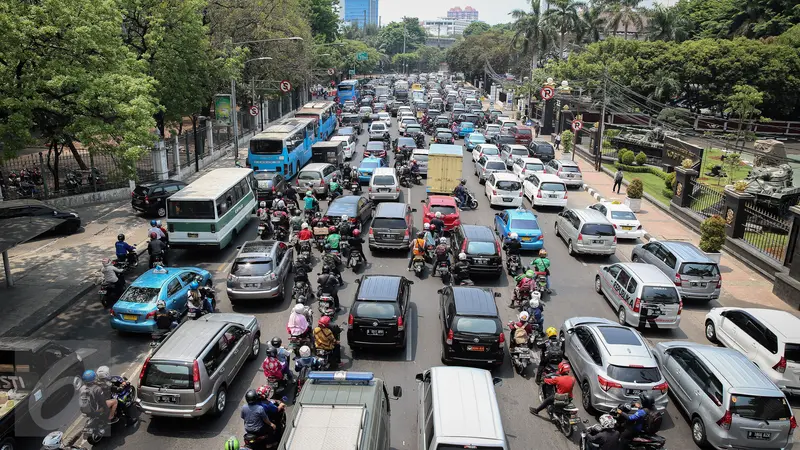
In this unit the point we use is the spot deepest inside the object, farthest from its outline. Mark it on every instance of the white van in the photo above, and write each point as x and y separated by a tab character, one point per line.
458	409
504	189
384	184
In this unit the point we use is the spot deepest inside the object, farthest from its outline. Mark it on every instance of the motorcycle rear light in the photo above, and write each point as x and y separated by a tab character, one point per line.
144	368
196	376
678	280
322	182
400	325
132	194
501	338
449	339
663	387
781	366
725	421
350	320
607	385
637	305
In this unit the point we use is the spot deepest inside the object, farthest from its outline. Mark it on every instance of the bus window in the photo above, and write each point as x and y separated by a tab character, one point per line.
237	193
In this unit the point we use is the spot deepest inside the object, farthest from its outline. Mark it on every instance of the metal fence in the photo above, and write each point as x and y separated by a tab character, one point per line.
705	200
766	232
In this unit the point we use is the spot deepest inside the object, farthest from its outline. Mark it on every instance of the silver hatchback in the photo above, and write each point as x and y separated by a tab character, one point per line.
259	271
567	170
611	363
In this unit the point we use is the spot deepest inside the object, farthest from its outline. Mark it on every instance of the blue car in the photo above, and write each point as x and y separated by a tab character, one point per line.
473	139
465	128
368	165
135	310
522	222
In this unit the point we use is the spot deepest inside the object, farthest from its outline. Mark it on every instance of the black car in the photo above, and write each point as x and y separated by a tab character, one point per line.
503	139
542	150
12	209
472	332
358	209
444	137
352	120
375	148
402	143
268	185
394	107
151	198
481	247
378	315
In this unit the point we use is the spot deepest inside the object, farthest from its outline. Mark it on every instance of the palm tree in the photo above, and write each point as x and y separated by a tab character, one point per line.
563	17
592	24
663	85
667	24
529	31
626	13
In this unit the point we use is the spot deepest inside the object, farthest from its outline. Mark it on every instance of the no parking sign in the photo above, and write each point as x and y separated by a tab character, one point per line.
577	125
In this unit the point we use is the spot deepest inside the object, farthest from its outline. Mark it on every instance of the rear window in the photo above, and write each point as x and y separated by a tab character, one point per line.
792	352
135	294
524	224
519	152
378	127
699	270
266	147
571	169
391	223
598	229
490	151
408	142
420	157
545	149
444	209
660	294
309	176
477	325
180	209
553	187
375	310
535	167
444	135
375	146
481	248
760	408
496	165
167	376
524	132
623	215
369	164
508	185
634	374
619	336
383	180
141	190
251	267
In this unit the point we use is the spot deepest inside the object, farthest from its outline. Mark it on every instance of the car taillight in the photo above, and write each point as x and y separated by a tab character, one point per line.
520	193
680	307
322	182
497	247
150	315
719	282
615	239
539	194
353	220
132	194
565	195
449	340
725	421
196	376
639	227
792	425
663	387
580	237
637	305
144	367
781	366
146	200
371	233
111	312
606	385
541	237
369	189
494	191
350	319
614	225
558	174
501	338
678	280
297	182
400	325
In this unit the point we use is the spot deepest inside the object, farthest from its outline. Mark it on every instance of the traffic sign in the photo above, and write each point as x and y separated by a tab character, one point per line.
577	125
254	111
362	56
286	86
352	71
547	93
331	71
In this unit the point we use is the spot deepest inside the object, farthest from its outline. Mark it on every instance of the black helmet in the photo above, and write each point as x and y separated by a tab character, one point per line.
251	397
272	352
120	237
647	400
326	269
463	182
276	342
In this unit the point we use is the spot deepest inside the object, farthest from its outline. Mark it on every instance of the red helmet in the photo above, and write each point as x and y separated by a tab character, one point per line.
324	321
331	229
356	233
264	392
564	368
153	235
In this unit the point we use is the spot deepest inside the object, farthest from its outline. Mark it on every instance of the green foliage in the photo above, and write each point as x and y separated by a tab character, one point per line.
469	55
323	19
669	181
429	58
667	23
625	14
405	59
641	169
744	101
732	161
562	17
476	27
731	18
567	141
641	159
668	193
390	37
678	117
740	185
345	56
611	133
687	163
712	234
635	189
626	157
791	37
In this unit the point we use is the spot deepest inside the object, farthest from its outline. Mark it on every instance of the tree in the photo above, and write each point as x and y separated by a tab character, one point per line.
390	37
747	18
323	18
663	85
529	31
429	58
625	13
667	24
592	24
476	27
744	103
471	54
563	17
345	57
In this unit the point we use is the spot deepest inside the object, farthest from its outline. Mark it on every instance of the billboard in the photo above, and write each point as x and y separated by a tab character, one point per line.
222	109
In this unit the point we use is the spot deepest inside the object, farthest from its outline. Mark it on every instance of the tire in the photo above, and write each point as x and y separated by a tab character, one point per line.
586	398
597	285
699	432
570	249
445	361
622	316
94	439
558	234
566	428
635	259
220	400
8	444
711	332
255	349
474	204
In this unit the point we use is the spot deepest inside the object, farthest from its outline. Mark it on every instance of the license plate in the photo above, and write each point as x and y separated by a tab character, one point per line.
383	190
481	261
627	228
251	285
375	332
387	236
103	292
131	317
526	239
598	242
193	235
260	229
475	348
698	284
759	435
167	398
655	311
508	199
552	196
275	219
632	392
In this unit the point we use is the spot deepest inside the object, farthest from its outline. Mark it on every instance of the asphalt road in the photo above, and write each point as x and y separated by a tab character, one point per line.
86	327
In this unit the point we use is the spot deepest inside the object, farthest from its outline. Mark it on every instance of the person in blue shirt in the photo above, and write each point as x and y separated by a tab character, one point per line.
310	203
123	249
255	417
634	420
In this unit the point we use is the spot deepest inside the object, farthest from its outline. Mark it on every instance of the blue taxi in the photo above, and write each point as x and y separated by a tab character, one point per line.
368	165
524	223
465	128
473	140
135	310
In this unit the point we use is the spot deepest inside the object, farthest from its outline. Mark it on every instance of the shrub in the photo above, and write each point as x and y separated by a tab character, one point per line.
627	157
641	158
620	153
667	193
740	185
669	181
712	234
641	169
635	188
687	163
567	140
611	133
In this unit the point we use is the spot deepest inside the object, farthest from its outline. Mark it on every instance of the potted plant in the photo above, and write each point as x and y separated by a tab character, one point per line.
740	186
634	195
712	237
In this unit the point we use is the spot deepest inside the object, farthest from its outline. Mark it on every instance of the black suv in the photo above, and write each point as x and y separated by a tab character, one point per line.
151	198
471	328
379	312
542	150
352	120
481	247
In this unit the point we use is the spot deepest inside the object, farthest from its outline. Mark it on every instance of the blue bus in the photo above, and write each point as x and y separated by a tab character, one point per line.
348	90
284	147
325	114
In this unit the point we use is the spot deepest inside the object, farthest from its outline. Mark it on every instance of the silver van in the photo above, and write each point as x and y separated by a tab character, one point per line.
567	170
458	409
392	227
729	401
384	184
641	295
695	275
189	373
586	231
420	155
316	176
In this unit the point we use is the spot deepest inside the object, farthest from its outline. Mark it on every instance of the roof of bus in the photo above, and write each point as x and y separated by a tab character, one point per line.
349	82
283	128
212	184
315	105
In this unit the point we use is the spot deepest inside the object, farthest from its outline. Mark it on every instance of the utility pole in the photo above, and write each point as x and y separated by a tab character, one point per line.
404	47
234	113
598	156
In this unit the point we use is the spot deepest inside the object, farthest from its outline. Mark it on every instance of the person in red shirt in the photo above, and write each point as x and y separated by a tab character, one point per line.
563	383
304	234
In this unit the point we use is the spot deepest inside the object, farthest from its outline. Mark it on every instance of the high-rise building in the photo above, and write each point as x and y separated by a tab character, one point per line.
468	13
445	26
361	12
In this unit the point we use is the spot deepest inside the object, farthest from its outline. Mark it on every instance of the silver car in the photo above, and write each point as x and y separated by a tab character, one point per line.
695	275
259	271
316	177
487	165
567	170
586	231
640	294
611	363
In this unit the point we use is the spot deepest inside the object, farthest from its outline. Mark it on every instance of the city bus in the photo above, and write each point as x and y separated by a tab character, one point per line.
284	147
212	210
348	90
325	113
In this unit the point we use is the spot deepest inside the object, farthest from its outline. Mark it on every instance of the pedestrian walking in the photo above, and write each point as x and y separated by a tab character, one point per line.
617	181
558	140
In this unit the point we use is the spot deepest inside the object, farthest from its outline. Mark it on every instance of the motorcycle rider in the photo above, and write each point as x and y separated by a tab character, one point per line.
328	283
442	253
310	203
195	298
461	268
298	325
94	396
536	311
325	339
113	386
524	284
542	264
256	421
319	220
417	247
283	221
563	383
278	204
353	174
345	227
334	188
154	228
273	367
512	245
356	242
273	408
284	356
123	250
290	193
634	420
296	222
262	213
430	240
113	277
552	351
607	437
437	224
333	239
460	192
306	360
157	247
413	167
520	330
166	319
304	234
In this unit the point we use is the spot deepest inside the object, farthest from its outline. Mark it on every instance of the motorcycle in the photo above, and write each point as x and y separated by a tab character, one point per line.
304	250
97	425
332	258
195	313
301	289
263	230
268	441
513	265
281	232
540	284
355	259
418	265
73	181
562	412
355	187
110	293
157	260
320	234
442	270
644	440
462	279
325	304
470	203
521	357
520	299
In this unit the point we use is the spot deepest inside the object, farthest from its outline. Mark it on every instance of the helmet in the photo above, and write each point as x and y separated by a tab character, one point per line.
103	373
120	237
158	223
326	269
263	204
551	332
462	256
309	193
318	215
305	352
324	321
232	444
523	316
607	421
299	308
251	396
194	285
564	368
443	241
272	352
276	342
647	400
88	376
304	226
153	223
53	441
161	304
420	234
345	218
534	302
530	274
463	182
265	391
514	236
153	235
353	167
438	215
331	229
426	226
296	213
356	232
335	177
542	253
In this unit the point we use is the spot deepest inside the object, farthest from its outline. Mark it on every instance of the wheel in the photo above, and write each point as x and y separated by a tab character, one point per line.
570	249
586	398
622	317
220	400
8	444
444	359
711	332
597	286
474	204
699	432
161	212
255	348
94	439
635	258
557	233
565	426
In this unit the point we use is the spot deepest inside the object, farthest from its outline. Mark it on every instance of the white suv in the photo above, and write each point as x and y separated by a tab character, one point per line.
378	130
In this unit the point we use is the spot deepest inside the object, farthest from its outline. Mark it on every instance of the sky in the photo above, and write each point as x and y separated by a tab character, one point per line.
491	11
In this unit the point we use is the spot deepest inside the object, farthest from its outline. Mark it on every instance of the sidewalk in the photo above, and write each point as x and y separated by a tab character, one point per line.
51	273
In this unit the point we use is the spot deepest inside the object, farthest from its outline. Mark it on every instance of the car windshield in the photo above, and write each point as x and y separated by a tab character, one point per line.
544	149
444	135
167	376
760	408
642	375
476	325
699	269
598	229
390	223
481	248
506	185
365	109
623	215
309	176
136	294
496	165
660	294
194	209
266	147
409	121
375	145
378	127
375	310
383	180
350	119
251	267
369	164
407	142
524	224
413	128
467	125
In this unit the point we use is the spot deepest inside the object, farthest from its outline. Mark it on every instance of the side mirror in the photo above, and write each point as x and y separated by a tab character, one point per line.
397	391
497	294
497	214
419	377
570	331
239	247
497	381
410	282
561	214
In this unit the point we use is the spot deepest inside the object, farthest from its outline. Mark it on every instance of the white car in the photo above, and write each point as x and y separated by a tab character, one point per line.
404	109
504	189
544	189
402	123
386	118
768	337
525	166
626	225
349	145
485	149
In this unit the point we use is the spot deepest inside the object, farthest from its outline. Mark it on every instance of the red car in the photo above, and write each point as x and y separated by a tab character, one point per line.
445	205
522	134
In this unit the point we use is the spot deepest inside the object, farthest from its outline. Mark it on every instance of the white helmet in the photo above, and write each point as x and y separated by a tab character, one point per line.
345	218
53	441
263	204
443	241
523	316
305	352
426	226
304	226
161	304
103	373
534	302
607	421
462	256
536	295
513	236
299	308
438	215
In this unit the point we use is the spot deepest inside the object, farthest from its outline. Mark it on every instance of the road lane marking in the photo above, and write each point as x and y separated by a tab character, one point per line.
410	342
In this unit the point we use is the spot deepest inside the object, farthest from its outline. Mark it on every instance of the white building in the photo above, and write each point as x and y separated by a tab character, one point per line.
445	27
